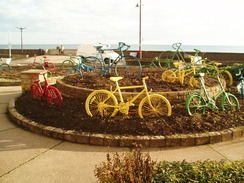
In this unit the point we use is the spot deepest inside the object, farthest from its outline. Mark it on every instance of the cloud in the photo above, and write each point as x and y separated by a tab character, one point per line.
111	21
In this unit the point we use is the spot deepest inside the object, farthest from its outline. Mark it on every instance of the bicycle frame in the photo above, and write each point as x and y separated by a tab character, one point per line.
144	86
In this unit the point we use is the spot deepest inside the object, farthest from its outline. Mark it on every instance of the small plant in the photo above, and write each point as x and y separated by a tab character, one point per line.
131	167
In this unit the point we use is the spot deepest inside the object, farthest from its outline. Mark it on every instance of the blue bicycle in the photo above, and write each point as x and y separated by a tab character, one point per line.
124	65
5	66
240	86
86	64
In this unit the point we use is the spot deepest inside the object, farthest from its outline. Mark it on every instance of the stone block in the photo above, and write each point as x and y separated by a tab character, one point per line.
215	137
84	138
173	141
143	141
58	133
70	135
187	140
236	133
157	141
201	139
48	131
111	140
127	141
96	139
226	135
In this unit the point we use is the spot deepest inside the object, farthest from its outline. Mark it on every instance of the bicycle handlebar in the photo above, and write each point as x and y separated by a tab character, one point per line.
176	46
240	74
145	78
122	44
198	51
43	72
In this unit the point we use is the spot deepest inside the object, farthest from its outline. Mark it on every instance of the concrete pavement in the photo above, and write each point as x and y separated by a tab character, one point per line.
28	157
56	59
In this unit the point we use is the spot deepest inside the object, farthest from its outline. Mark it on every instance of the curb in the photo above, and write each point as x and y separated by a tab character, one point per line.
121	140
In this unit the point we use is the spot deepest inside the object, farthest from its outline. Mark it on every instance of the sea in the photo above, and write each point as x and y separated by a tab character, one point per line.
145	47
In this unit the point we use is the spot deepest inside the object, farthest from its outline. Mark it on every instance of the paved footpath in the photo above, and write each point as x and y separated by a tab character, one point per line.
26	157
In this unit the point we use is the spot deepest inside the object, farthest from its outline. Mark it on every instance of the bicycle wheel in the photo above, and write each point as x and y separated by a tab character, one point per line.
169	76
195	104
54	97
160	106
67	64
165	59
228	102
226	75
101	103
128	66
6	67
194	82
36	91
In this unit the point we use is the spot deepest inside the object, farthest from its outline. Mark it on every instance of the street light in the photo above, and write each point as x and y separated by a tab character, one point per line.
21	29
140	51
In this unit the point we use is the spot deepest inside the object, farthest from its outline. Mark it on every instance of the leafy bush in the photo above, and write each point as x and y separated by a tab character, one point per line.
134	167
207	171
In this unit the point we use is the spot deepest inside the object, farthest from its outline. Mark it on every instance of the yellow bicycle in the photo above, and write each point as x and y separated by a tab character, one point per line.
180	74
211	67
104	103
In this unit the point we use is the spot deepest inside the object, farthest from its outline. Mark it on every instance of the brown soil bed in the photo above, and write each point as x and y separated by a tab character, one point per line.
92	81
72	115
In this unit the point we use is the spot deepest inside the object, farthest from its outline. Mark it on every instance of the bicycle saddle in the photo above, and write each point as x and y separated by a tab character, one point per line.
177	64
116	78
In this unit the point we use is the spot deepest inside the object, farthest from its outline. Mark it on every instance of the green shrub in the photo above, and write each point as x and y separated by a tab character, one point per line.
136	167
207	171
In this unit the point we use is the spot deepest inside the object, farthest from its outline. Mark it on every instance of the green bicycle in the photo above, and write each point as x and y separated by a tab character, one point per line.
198	102
71	62
166	58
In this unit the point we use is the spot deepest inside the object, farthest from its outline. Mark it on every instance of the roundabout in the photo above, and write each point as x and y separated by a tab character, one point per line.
70	122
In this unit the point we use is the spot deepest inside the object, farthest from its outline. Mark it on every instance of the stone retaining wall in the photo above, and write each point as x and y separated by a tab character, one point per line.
82	93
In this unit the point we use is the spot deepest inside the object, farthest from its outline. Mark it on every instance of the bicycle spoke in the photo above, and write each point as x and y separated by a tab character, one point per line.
156	107
101	103
54	96
195	104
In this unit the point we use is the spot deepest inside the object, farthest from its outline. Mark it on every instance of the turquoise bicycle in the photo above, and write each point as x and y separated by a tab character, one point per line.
5	66
86	64
124	65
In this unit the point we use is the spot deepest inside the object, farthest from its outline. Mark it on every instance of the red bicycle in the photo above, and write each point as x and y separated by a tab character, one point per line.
51	93
39	65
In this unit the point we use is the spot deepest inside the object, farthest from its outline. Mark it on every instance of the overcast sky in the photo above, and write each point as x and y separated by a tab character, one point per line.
192	22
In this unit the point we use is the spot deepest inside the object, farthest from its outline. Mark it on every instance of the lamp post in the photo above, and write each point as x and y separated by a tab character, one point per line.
21	29
140	39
